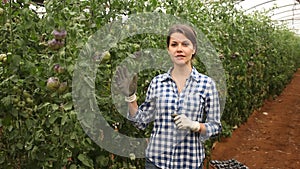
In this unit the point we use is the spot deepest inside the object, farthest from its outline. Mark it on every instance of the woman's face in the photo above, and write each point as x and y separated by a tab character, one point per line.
180	49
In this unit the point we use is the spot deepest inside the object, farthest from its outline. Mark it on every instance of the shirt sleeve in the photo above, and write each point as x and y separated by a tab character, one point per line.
212	109
146	111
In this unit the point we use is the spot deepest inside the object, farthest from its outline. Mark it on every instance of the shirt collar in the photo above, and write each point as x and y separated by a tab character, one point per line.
194	75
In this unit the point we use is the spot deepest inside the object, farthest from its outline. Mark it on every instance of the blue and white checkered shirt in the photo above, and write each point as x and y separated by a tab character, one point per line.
171	148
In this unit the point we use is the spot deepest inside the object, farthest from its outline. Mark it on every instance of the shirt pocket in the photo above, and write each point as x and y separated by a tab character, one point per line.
194	106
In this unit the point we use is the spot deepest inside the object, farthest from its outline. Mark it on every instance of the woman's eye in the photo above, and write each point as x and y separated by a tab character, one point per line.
185	44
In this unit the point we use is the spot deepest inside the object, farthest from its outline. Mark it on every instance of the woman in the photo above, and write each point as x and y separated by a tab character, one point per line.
183	103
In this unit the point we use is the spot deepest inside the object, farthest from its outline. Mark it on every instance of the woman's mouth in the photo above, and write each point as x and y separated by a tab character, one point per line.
180	56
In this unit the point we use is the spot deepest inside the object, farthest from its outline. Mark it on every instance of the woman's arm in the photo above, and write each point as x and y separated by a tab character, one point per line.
143	114
212	125
133	108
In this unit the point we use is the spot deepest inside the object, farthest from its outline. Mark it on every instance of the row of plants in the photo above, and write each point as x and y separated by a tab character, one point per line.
38	55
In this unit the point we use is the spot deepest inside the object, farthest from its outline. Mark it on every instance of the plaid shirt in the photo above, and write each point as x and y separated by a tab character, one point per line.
171	148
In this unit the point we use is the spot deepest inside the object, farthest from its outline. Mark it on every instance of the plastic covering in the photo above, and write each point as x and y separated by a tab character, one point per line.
282	11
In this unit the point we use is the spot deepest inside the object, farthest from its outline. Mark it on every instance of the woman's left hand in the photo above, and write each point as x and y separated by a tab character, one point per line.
183	122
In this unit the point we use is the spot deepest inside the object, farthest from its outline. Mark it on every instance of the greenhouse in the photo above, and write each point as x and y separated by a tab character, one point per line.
170	84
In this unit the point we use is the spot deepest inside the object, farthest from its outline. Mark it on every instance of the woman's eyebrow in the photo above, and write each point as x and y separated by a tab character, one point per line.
183	41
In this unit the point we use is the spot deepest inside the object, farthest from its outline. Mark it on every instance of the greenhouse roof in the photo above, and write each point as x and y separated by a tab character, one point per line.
282	11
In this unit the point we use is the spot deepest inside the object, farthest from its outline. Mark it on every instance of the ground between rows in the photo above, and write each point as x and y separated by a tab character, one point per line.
270	139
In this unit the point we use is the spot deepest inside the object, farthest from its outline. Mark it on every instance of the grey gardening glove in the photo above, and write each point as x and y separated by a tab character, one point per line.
126	84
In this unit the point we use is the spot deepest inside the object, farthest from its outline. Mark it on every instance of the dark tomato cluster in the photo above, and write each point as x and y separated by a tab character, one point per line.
59	39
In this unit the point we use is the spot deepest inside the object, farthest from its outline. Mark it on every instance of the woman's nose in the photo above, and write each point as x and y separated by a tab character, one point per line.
179	47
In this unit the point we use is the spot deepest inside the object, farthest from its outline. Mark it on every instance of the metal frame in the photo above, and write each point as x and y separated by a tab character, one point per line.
293	15
289	19
291	10
255	6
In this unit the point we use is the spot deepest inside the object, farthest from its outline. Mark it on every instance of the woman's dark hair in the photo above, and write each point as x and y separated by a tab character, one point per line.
186	31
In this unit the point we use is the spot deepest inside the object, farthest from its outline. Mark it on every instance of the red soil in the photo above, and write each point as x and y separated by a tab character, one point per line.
270	139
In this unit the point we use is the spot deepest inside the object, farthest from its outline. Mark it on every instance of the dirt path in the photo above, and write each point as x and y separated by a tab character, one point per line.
270	139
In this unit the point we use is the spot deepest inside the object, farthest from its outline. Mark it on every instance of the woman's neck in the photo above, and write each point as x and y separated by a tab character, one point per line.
181	71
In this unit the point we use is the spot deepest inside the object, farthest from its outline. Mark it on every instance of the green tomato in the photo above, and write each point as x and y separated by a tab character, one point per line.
26	94
7	25
53	83
58	69
1	11
17	90
62	87
106	56
16	99
21	103
4	60
29	100
2	56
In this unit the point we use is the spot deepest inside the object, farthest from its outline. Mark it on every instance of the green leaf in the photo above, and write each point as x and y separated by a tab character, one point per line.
2	157
52	118
28	146
102	161
56	130
55	107
67	95
20	146
71	144
64	119
6	101
10	128
43	105
29	123
85	160
68	106
73	166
